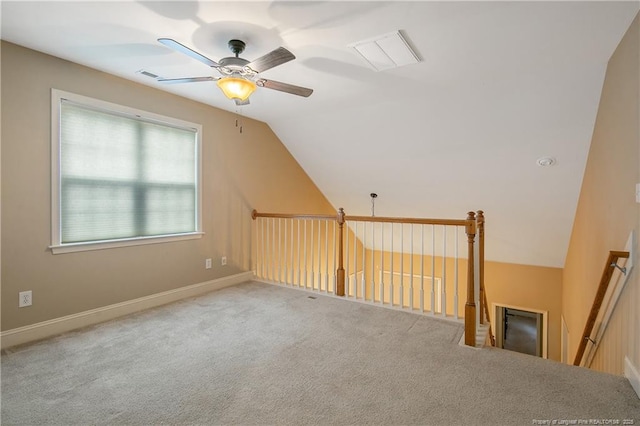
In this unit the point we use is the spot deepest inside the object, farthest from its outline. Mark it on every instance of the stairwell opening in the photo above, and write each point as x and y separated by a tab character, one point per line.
522	330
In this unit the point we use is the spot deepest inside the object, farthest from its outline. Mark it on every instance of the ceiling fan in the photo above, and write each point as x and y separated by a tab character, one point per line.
239	77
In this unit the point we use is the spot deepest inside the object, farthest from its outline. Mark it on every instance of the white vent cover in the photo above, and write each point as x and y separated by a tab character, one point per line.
386	51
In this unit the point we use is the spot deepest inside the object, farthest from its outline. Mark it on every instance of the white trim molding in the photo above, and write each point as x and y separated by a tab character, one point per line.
632	374
56	326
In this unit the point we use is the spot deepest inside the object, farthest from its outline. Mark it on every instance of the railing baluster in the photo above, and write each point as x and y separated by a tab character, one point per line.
402	265
391	271
364	246
273	248
260	261
433	269
279	251
335	254
268	249
443	287
319	257
326	256
455	279
382	265
373	262
306	264
299	257
293	273
422	268
285	254
347	269
354	285
265	246
313	270
263	263
411	271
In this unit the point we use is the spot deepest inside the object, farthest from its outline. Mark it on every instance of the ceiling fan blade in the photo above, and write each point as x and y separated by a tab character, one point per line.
271	59
285	87
186	80
240	103
187	51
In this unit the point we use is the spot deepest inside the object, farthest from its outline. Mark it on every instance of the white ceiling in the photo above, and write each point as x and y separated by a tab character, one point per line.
500	84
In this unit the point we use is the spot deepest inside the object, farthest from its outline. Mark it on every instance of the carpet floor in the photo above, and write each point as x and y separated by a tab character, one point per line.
260	354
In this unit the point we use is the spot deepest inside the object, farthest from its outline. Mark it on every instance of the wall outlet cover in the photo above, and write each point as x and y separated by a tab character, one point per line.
25	299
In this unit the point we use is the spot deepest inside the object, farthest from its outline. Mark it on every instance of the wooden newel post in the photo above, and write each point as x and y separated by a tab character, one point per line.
470	306
340	270
480	224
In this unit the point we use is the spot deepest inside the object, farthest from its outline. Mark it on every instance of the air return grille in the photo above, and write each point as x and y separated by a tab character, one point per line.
386	51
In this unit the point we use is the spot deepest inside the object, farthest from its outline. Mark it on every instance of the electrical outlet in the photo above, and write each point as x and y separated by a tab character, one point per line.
223	261
207	263
25	299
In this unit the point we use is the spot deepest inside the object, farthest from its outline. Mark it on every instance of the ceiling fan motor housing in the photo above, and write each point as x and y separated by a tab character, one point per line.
236	46
233	62
234	65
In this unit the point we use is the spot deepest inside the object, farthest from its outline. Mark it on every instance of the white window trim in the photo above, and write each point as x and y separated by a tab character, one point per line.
56	246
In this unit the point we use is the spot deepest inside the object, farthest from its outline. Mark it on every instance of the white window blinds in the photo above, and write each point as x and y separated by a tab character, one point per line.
124	177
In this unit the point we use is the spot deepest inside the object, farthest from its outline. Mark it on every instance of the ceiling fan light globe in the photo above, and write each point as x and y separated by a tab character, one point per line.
236	88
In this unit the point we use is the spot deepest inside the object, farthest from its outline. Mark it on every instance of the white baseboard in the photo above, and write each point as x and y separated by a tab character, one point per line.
55	326
631	373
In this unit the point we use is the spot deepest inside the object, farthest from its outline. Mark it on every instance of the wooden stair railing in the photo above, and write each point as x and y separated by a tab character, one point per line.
483	298
484	308
470	224
611	265
486	312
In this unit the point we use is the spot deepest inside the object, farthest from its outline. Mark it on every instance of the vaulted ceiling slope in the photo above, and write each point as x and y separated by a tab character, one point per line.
498	85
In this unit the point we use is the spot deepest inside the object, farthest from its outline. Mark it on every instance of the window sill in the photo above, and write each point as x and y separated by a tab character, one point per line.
101	245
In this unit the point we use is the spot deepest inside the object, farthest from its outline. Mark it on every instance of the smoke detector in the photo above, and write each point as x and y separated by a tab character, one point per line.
546	161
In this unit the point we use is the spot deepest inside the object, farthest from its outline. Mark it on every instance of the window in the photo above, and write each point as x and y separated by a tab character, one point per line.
121	176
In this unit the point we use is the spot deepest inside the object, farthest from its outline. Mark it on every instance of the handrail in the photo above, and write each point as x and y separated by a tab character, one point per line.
415	221
486	312
255	214
418	221
612	263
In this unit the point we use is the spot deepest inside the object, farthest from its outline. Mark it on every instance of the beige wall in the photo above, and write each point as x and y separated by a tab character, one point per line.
240	172
607	212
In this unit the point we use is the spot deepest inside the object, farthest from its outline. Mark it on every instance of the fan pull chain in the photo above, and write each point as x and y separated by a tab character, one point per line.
239	120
